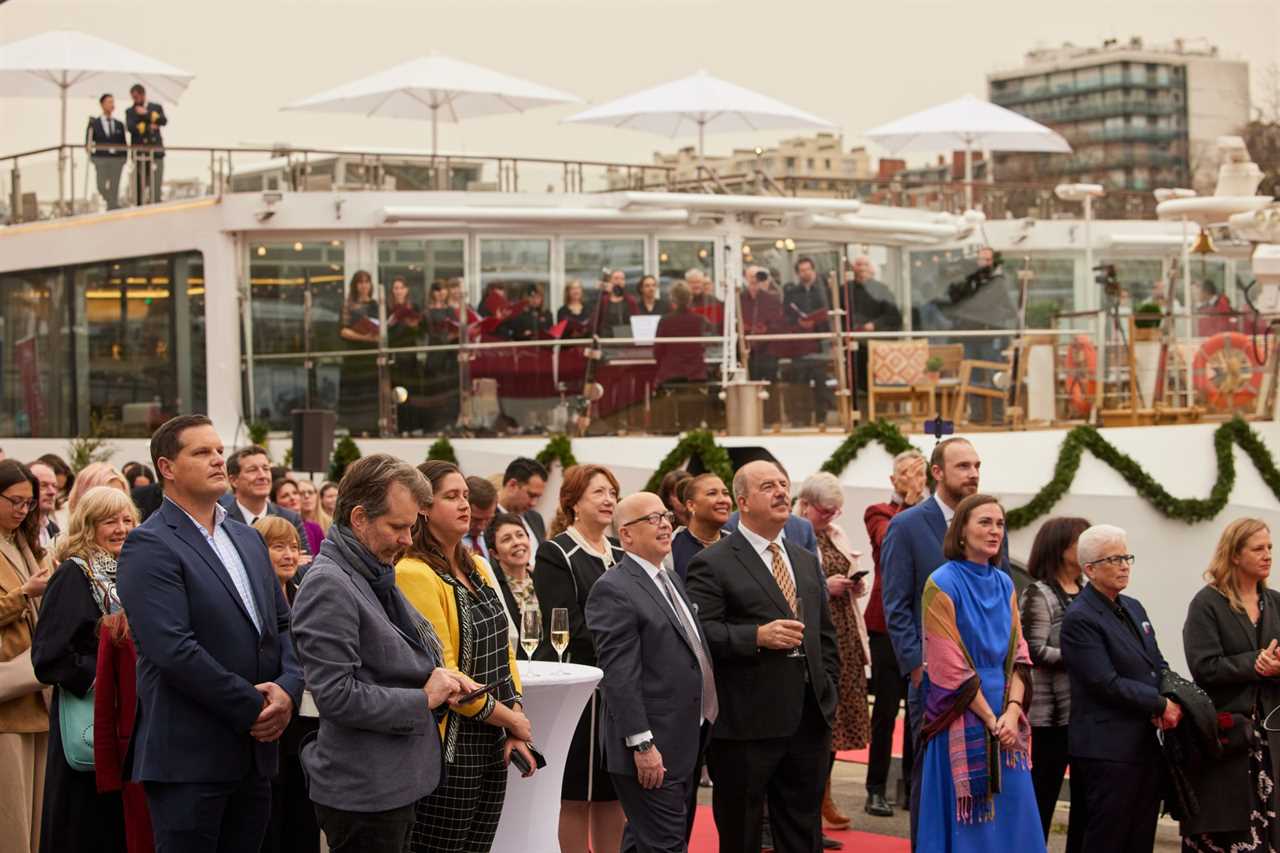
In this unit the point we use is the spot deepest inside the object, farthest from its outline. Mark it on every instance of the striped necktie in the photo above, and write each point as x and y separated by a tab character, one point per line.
782	576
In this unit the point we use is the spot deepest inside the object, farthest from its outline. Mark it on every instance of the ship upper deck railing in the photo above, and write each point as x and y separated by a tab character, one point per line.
33	191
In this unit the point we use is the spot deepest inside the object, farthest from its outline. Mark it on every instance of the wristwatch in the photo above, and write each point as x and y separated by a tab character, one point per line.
643	746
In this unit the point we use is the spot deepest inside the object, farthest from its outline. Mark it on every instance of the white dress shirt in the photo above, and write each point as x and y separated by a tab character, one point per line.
761	546
247	514
225	550
947	512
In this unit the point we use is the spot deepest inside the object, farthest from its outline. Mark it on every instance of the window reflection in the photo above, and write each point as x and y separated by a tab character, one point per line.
33	391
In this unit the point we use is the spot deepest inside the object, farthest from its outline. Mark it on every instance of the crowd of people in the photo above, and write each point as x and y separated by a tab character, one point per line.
206	654
110	142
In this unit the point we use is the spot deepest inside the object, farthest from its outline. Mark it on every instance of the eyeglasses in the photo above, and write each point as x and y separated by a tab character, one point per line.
20	503
1117	560
655	518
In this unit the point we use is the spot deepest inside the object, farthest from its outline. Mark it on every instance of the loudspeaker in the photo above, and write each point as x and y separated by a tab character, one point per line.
313	439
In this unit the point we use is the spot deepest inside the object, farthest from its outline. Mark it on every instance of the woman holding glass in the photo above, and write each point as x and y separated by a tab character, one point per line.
24	716
81	592
567	565
451	588
1231	637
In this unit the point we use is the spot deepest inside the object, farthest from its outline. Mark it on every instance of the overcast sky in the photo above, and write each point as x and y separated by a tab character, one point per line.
854	62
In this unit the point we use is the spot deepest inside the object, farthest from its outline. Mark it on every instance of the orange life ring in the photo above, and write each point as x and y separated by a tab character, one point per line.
1080	375
1226	371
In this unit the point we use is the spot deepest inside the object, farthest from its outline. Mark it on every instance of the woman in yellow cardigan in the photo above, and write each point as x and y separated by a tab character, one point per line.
450	588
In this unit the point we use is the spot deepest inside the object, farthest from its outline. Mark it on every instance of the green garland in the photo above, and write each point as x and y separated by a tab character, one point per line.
700	443
1188	510
558	449
442	450
889	436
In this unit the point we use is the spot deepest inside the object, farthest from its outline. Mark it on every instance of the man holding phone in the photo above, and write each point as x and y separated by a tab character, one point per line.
650	645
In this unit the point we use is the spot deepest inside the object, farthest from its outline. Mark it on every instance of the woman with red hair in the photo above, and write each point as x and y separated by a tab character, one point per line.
567	565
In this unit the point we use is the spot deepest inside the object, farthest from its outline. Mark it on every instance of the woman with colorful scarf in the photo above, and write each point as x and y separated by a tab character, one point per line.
64	652
976	792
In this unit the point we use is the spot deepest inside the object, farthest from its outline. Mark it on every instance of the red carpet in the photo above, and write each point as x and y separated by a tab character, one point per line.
860	755
705	840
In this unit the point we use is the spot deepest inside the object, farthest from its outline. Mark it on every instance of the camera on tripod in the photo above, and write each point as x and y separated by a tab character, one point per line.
1108	279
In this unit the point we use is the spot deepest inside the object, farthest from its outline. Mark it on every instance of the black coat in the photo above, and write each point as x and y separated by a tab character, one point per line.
761	691
1221	647
64	653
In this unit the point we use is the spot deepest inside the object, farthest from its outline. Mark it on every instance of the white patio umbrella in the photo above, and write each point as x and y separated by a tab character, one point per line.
701	103
71	63
435	87
967	123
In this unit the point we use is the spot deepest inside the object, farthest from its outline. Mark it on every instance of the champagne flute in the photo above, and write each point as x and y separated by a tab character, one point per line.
530	630
560	631
798	651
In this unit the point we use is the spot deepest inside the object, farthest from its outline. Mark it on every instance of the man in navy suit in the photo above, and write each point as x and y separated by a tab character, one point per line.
659	686
775	674
249	471
109	149
217	677
912	549
145	119
1115	665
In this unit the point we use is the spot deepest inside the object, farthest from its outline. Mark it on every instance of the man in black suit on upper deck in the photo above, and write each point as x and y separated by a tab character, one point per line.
144	120
775	675
109	149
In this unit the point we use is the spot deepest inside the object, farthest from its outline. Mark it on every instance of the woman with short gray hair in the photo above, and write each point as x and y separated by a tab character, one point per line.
821	502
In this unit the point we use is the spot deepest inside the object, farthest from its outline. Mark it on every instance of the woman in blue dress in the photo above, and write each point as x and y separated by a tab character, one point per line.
976	792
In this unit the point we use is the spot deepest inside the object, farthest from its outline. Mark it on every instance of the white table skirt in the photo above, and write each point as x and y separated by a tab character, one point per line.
554	696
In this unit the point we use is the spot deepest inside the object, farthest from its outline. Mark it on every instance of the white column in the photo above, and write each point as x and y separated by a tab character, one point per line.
225	272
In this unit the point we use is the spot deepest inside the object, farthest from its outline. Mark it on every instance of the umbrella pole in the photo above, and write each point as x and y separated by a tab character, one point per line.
968	175
435	139
62	154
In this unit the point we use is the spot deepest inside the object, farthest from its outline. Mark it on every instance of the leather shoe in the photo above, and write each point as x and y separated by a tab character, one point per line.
831	843
878	806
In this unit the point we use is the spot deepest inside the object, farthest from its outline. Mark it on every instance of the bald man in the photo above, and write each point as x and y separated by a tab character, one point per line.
659	688
775	673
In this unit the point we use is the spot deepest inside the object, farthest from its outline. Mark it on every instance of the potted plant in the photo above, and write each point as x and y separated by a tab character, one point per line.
932	369
1147	318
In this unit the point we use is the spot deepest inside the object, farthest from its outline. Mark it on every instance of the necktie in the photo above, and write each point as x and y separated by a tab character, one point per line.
710	703
782	576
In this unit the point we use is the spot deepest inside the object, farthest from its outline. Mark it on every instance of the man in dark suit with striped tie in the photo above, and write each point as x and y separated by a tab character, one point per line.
109	149
762	603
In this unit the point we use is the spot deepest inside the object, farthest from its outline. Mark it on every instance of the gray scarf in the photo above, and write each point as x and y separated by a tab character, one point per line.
342	546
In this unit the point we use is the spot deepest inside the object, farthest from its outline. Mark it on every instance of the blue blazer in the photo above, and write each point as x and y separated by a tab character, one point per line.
199	655
1115	680
797	531
912	549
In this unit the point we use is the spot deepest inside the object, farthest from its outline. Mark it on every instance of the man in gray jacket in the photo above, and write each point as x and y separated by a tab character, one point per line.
373	665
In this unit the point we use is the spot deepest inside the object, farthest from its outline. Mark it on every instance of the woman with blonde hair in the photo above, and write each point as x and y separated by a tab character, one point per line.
1231	637
64	652
566	567
821	502
452	589
91	476
24	716
311	508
